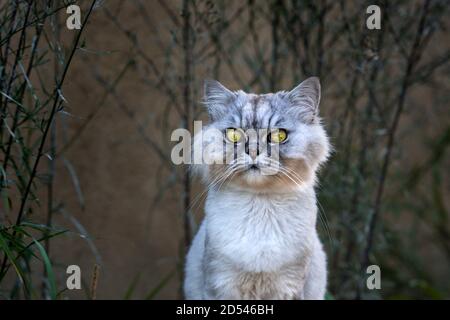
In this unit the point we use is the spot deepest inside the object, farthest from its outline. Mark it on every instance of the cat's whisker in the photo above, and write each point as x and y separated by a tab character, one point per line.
216	178
219	178
225	179
322	217
291	174
231	175
235	170
273	163
295	174
321	213
324	220
298	184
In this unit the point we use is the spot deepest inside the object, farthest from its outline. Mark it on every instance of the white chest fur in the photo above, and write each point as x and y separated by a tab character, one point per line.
260	233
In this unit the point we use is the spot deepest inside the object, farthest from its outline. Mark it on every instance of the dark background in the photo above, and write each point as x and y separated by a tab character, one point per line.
137	75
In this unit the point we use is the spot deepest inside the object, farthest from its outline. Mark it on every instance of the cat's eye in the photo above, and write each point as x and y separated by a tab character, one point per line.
278	136
234	135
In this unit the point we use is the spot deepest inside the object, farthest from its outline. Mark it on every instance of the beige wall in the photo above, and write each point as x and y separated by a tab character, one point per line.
119	173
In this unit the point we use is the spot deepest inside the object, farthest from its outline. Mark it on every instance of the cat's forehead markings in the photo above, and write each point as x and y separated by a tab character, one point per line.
255	111
247	111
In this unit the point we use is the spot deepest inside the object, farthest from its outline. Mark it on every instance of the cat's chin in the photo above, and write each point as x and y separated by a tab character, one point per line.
254	176
249	179
256	180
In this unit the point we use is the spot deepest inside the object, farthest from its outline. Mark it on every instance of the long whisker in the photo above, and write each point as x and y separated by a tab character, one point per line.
285	170
325	222
230	176
217	178
272	162
322	215
225	179
292	175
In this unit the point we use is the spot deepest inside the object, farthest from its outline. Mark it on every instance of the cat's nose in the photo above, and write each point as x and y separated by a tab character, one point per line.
252	149
253	154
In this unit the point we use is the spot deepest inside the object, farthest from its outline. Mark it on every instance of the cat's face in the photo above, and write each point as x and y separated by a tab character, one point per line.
269	142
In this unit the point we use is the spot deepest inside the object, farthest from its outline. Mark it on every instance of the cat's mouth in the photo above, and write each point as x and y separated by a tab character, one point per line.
259	169
254	170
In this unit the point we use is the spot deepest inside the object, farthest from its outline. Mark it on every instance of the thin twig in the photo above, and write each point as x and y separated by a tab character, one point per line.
413	58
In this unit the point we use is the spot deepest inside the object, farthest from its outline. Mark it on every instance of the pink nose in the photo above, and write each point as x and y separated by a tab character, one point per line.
253	154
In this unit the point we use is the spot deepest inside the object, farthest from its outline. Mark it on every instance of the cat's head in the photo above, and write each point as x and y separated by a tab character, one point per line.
262	142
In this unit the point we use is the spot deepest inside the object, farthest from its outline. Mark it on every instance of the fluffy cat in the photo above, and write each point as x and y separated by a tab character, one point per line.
258	239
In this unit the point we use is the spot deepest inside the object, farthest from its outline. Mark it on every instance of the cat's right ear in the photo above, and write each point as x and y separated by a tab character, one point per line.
306	98
217	99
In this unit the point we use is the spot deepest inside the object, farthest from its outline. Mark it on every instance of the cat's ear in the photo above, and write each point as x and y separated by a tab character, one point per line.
217	99
306	97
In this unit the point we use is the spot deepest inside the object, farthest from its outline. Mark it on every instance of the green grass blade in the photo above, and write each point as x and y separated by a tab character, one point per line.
5	247
160	285
49	270
132	287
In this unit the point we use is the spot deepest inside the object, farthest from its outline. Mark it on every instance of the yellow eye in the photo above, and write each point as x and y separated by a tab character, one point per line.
234	135
278	136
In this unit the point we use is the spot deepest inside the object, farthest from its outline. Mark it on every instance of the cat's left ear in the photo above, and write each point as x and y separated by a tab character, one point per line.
306	97
217	99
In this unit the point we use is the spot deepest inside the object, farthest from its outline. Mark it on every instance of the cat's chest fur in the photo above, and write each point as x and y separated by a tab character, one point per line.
258	246
260	233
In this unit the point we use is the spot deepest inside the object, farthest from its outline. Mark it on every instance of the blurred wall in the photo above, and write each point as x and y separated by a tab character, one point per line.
117	170
128	204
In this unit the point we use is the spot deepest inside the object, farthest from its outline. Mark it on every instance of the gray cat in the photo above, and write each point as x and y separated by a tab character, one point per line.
258	239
